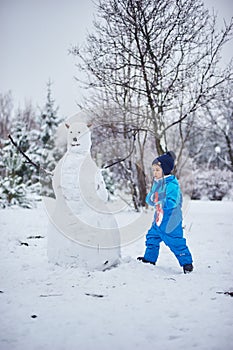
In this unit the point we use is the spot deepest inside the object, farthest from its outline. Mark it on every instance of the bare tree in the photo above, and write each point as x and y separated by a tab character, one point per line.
157	61
220	118
6	109
160	52
29	116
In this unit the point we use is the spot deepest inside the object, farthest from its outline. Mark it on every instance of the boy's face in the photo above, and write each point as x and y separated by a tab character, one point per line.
157	171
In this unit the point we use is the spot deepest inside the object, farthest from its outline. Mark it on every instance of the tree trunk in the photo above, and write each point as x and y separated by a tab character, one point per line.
141	177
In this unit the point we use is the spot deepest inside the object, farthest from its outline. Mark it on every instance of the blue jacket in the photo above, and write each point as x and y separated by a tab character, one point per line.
166	193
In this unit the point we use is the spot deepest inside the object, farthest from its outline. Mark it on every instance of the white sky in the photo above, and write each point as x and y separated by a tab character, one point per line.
35	36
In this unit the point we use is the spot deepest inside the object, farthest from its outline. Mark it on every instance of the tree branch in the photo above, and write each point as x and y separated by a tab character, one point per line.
37	166
123	159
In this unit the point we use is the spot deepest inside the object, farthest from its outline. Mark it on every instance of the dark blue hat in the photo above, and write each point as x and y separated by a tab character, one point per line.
166	161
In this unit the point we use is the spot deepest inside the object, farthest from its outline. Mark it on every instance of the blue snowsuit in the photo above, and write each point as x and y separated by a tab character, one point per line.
166	193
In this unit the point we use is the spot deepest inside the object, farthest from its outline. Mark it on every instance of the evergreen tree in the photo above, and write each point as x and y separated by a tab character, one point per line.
48	152
49	120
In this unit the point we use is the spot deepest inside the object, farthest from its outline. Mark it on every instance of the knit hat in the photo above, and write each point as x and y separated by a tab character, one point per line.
166	161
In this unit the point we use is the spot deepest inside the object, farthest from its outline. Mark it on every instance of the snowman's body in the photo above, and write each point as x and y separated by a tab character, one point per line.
82	231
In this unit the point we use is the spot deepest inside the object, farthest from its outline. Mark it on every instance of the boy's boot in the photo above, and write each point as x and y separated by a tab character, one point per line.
188	268
142	259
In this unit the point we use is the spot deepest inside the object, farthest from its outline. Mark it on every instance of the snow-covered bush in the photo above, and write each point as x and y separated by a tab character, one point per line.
13	192
213	184
12	189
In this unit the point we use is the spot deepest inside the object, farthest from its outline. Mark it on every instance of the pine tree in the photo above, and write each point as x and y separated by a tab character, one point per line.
48	152
49	120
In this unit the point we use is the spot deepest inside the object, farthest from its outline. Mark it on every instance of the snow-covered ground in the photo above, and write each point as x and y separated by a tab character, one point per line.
133	306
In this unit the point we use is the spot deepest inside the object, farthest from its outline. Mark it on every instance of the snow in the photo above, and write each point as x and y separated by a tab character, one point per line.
132	306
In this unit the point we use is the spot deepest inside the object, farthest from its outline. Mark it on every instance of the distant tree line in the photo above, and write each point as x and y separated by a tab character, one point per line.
156	81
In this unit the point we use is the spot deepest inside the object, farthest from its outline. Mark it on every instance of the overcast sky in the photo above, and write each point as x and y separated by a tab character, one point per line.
35	37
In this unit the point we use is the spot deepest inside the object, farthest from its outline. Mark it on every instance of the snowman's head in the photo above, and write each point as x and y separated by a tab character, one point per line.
78	138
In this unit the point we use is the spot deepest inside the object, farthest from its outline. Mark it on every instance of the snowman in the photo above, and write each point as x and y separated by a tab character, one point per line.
82	229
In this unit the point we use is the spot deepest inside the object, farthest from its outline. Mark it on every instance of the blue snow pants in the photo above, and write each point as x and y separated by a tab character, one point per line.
174	240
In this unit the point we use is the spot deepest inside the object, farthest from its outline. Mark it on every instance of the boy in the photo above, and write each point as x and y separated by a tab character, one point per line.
166	197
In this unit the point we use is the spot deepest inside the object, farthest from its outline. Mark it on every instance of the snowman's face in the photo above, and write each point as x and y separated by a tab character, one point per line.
78	138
